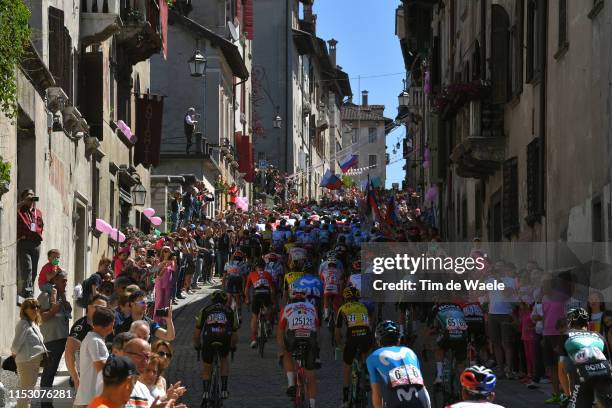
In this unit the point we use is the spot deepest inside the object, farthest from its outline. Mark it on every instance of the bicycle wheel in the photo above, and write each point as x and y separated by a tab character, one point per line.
215	384
261	335
300	389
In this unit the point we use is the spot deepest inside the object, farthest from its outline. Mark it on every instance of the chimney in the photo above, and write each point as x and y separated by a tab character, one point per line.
332	51
364	98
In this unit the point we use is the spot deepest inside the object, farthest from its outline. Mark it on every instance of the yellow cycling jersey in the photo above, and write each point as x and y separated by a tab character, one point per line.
288	246
291	277
355	314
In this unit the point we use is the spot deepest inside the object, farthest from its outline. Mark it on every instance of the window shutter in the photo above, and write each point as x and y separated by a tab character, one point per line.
510	206
56	43
499	54
91	92
248	19
534	185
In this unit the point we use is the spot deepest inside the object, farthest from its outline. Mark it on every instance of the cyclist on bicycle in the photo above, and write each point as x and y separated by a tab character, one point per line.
585	362
395	372
477	385
274	266
332	287
296	265
331	259
259	290
324	238
298	323
216	325
474	317
448	322
354	315
233	278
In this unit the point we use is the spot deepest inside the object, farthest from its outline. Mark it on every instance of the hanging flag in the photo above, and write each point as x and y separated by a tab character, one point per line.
392	216
330	181
373	205
349	162
149	111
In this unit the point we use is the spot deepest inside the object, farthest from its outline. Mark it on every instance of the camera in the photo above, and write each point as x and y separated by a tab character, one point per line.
161	312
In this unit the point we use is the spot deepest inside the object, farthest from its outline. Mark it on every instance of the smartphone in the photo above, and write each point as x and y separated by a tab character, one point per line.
161	312
150	253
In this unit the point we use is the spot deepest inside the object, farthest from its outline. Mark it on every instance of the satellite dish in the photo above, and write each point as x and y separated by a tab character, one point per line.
233	31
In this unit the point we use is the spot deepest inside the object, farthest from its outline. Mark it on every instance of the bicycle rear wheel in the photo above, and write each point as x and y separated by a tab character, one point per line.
215	383
261	335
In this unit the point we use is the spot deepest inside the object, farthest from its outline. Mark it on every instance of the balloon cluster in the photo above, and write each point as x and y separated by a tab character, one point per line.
106	228
119	236
149	213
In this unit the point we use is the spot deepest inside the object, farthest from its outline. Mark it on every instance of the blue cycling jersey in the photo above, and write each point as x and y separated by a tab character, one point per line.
310	284
394	366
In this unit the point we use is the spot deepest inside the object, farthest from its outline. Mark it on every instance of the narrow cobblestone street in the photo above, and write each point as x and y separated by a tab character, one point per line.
257	382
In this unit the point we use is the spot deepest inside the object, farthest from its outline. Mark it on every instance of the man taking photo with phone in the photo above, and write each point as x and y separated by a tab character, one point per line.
29	236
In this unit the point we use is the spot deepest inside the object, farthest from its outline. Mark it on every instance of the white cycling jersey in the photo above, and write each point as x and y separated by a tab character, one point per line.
474	404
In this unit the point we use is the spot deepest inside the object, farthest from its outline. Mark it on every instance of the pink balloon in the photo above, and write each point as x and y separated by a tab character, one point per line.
102	225
114	234
149	212
121	236
156	221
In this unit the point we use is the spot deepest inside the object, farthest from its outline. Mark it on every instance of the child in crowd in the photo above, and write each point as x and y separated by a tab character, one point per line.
49	270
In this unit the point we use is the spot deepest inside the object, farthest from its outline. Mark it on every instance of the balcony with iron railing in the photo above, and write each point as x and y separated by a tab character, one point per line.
481	152
141	34
99	20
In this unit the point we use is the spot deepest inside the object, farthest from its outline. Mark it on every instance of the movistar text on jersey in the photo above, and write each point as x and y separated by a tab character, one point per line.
411	264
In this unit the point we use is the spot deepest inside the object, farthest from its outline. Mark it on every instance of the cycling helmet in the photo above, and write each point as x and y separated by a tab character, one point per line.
350	293
219	296
298	294
387	331
478	380
577	315
272	257
308	267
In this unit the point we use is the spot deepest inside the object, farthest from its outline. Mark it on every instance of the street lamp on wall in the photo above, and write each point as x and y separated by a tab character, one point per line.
277	122
403	99
197	64
139	194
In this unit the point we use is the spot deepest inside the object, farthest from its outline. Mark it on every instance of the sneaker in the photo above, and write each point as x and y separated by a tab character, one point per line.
291	391
253	344
554	399
531	385
180	296
174	302
224	394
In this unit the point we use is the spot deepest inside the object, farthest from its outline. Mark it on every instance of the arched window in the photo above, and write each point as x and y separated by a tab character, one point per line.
500	23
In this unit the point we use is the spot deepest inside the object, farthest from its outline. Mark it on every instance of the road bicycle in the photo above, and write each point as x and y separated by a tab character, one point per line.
331	325
359	387
262	330
215	399
449	390
299	355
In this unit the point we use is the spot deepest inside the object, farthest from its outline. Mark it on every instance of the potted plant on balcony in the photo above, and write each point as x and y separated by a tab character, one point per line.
5	176
454	96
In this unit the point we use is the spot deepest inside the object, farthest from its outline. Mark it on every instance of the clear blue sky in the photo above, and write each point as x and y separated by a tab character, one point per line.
367	46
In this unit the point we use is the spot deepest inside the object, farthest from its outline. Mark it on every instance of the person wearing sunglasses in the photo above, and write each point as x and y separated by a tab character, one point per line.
28	347
138	307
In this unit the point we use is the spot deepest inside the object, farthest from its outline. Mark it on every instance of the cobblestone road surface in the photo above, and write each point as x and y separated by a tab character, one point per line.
257	382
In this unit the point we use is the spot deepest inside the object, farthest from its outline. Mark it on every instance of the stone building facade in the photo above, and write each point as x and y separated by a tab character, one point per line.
77	80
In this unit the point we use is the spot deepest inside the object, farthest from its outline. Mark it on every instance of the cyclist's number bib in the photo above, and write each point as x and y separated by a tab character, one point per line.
405	375
454	324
